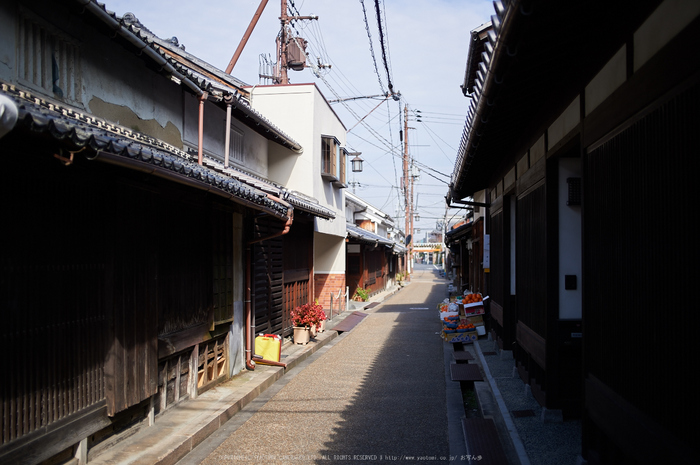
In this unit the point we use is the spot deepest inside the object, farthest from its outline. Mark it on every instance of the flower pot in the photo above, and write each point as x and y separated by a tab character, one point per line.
302	335
314	331
322	326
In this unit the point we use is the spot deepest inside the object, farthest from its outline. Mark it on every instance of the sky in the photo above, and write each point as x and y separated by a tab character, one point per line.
425	44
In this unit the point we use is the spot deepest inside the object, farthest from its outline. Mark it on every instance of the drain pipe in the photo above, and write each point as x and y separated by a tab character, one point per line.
227	144
200	139
249	328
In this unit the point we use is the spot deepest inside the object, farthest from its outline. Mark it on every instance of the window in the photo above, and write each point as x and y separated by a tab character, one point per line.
342	160
329	155
333	161
47	59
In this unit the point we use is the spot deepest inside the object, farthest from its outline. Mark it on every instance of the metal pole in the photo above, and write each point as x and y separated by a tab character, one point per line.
246	36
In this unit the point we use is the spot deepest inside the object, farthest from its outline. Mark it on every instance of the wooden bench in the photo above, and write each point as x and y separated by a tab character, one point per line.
465	372
462	356
481	439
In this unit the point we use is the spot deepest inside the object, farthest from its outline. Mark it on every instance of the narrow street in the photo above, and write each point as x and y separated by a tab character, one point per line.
376	394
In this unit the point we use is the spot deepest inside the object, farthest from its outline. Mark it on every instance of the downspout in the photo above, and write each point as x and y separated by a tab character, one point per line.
249	328
227	145
200	139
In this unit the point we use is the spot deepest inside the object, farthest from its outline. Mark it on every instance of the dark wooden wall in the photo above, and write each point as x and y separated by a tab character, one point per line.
640	316
531	254
298	268
268	277
54	297
99	265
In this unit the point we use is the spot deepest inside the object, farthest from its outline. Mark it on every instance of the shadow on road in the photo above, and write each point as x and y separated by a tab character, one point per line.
399	413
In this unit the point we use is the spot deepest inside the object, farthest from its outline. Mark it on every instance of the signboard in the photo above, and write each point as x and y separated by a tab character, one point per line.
487	252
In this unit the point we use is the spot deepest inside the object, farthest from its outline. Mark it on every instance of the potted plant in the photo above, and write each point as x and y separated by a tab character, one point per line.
361	295
305	319
322	317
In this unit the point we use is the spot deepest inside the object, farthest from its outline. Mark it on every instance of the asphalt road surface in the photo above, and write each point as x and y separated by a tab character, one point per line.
375	394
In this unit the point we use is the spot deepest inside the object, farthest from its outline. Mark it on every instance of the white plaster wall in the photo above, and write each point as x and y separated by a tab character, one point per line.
565	123
608	79
570	260
255	146
479	197
329	254
290	108
302	112
671	17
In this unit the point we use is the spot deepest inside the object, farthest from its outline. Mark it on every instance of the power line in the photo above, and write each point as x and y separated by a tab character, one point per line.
381	42
371	48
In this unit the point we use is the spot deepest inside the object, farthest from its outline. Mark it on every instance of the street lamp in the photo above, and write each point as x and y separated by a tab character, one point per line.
356	162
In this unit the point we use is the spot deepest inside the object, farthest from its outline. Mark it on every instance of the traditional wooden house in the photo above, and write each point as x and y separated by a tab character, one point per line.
136	194
373	258
465	246
581	129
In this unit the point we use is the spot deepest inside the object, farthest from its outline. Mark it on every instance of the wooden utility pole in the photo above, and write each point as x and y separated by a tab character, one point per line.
408	195
283	46
281	76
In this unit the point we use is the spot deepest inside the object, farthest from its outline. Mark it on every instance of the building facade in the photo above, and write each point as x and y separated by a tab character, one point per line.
574	153
141	220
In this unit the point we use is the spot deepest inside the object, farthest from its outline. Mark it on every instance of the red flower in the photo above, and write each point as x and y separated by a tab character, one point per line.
308	315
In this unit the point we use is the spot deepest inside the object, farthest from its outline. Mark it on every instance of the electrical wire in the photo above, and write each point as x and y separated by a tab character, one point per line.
371	48
382	43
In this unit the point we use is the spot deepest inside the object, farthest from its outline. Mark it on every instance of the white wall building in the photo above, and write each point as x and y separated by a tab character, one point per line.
318	172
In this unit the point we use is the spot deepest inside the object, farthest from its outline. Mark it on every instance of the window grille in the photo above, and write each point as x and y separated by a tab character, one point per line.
48	60
236	145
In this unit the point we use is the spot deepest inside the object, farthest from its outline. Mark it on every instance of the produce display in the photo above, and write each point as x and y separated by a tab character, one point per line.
465	327
460	316
472	298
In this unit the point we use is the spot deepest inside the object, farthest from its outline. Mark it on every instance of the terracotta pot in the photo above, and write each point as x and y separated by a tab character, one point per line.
302	335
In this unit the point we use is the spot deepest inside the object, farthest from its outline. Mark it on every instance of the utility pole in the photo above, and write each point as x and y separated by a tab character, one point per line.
408	195
281	76
282	46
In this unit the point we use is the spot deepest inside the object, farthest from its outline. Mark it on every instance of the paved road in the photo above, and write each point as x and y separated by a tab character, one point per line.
373	395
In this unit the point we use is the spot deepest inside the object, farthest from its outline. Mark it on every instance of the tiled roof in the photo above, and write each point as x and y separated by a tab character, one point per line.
132	149
458	232
297	200
367	237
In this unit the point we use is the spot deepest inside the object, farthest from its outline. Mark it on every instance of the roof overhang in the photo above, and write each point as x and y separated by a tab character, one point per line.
363	236
538	58
457	234
99	140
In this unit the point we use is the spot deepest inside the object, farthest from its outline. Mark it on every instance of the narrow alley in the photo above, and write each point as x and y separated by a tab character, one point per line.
375	394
